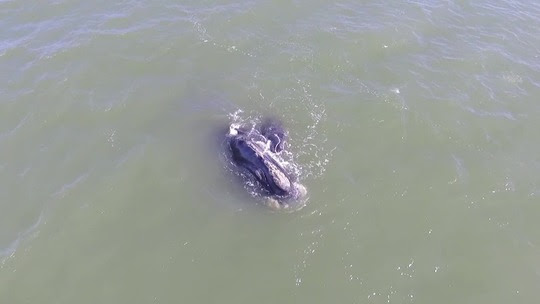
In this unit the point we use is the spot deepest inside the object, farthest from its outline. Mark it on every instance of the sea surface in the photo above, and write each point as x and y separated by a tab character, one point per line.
414	124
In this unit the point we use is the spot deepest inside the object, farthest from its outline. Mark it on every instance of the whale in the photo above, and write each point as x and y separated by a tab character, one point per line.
256	151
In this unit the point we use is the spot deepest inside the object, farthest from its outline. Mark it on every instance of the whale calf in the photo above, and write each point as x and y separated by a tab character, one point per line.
257	150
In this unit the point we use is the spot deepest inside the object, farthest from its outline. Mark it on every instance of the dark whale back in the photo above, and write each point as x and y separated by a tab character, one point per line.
252	156
255	150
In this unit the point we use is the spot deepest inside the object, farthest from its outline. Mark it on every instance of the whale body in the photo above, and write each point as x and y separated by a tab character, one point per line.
257	150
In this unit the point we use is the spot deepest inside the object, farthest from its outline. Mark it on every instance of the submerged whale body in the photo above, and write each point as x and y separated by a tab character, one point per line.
257	151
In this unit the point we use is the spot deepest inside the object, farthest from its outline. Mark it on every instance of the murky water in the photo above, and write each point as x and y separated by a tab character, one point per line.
414	125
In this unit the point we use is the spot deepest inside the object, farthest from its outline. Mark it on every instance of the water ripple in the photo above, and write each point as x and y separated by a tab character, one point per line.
11	249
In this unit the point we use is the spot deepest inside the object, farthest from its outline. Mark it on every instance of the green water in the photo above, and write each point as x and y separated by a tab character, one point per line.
414	124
